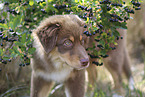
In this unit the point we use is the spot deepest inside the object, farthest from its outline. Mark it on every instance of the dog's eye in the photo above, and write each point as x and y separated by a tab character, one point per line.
68	43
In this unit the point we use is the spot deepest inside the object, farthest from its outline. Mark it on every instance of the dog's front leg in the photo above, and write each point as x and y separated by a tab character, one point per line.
39	86
75	86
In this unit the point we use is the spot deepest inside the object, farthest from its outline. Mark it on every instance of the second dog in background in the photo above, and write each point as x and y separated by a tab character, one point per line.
118	63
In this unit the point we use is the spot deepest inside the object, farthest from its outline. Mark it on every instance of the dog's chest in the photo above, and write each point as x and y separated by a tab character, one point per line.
57	75
61	75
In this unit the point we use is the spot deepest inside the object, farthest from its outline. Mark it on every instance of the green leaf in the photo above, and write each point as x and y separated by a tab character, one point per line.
104	35
11	25
123	25
11	17
4	14
76	1
18	43
111	39
97	37
16	50
1	52
23	48
31	50
13	54
6	57
16	22
50	0
87	19
3	26
23	39
103	52
115	43
31	2
102	42
107	46
116	33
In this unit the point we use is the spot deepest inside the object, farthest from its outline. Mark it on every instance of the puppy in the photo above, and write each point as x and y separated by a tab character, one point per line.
60	56
117	63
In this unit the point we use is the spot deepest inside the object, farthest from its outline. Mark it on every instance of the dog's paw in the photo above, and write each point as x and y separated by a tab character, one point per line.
119	92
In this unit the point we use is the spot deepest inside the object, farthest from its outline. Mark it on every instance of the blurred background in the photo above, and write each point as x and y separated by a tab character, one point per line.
15	80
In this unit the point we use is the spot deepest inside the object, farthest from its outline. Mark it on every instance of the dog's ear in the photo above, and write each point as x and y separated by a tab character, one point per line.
48	36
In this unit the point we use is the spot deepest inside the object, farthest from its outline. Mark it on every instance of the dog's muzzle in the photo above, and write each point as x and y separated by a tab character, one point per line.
84	62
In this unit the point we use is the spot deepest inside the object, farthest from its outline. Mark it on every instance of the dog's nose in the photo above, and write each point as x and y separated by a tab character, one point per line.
84	62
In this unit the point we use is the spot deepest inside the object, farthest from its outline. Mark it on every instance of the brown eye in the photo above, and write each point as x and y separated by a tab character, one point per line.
67	43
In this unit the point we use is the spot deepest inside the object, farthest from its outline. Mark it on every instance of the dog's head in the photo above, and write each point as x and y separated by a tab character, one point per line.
62	37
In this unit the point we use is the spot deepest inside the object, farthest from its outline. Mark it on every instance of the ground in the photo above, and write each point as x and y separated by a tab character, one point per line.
104	85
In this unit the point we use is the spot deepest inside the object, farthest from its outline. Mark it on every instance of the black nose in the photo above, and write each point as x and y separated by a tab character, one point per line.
84	62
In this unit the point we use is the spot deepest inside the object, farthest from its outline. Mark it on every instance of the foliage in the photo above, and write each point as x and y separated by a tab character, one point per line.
19	17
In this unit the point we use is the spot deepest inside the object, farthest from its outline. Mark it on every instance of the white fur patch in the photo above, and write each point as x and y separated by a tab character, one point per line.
67	92
57	76
131	84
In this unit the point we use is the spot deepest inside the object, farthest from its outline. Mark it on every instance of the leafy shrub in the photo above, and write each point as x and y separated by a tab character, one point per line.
19	17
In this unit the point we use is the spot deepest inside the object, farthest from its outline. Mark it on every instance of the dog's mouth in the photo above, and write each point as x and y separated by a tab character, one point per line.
83	67
78	67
